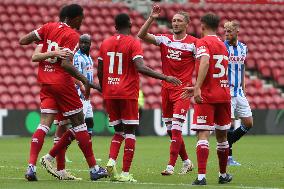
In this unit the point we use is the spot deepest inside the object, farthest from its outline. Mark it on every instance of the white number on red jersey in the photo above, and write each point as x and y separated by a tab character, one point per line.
52	45
220	66
111	63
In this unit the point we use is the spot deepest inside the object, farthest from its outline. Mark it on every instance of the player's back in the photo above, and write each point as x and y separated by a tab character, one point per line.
120	77
215	88
53	36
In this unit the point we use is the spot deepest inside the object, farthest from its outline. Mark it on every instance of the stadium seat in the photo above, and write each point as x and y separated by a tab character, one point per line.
263	35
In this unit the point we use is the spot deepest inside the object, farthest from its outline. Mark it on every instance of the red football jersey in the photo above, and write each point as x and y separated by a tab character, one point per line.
53	36
215	88
120	77
178	58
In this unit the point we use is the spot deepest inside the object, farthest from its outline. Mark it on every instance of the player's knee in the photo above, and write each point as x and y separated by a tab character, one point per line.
129	128
89	122
248	122
118	128
77	119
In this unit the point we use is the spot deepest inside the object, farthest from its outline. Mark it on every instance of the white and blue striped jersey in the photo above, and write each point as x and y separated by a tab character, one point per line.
236	68
84	64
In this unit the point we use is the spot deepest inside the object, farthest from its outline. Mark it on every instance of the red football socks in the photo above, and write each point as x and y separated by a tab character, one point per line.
116	142
37	142
129	149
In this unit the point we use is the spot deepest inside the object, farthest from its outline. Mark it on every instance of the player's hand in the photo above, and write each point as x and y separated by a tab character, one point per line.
95	86
61	53
82	88
188	92
175	81
156	10
197	95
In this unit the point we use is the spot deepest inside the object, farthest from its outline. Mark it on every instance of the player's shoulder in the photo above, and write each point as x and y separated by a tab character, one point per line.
77	54
242	44
191	38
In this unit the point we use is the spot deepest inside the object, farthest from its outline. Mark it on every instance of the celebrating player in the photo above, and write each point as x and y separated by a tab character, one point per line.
212	95
58	93
61	122
177	53
120	60
240	106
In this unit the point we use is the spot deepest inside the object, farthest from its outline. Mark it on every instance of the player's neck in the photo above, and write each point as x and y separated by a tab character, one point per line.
233	42
179	36
123	32
209	32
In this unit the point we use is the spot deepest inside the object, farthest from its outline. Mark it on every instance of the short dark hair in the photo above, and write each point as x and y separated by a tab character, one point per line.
211	20
122	21
62	13
73	11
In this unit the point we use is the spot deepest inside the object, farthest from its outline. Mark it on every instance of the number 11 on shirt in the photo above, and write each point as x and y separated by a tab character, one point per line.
111	64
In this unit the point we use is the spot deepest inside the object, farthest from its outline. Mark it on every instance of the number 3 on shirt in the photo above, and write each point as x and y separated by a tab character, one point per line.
112	56
220	66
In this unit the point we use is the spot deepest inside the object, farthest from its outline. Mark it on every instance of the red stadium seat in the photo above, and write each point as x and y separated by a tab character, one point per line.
261	28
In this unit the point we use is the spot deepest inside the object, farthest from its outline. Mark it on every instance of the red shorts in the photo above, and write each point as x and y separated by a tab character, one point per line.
60	98
212	116
122	111
173	106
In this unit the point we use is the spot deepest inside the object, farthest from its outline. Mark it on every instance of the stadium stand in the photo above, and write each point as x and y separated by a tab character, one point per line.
18	84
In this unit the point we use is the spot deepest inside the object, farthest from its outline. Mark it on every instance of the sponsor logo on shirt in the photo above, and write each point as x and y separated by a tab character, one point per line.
224	83
174	54
113	80
49	68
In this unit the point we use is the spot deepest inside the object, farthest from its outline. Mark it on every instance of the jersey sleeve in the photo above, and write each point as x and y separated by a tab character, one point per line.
137	51
41	31
72	43
202	49
159	38
77	62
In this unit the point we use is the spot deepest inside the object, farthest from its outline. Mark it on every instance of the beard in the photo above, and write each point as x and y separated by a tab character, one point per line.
177	32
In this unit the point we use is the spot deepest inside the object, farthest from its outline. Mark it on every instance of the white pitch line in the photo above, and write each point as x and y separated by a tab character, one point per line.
145	183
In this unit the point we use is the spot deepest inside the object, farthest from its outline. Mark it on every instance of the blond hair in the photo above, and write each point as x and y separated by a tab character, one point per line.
185	15
233	25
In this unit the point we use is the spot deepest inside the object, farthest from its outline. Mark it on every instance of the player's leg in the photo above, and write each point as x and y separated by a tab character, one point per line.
167	117
181	107
130	120
62	126
230	132
203	123
88	112
222	119
112	108
243	111
70	105
36	144
48	110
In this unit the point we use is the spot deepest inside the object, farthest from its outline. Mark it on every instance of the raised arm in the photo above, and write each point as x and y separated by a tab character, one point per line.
141	68
28	38
143	32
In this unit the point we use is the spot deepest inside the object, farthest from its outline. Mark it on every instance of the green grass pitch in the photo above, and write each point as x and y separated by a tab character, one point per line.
262	159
